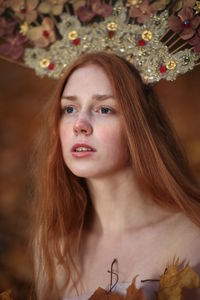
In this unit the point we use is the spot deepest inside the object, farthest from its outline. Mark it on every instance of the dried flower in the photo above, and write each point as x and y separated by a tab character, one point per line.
197	7
160	4
133	3
42	35
101	9
143	12
6	27
24	28
25	10
3	5
95	7
77	3
195	41
185	23
52	6
183	3
13	46
85	14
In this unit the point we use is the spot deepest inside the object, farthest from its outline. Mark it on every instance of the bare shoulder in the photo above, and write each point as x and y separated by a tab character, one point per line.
188	239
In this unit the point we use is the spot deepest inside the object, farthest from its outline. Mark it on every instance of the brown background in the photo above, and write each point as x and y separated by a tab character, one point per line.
22	95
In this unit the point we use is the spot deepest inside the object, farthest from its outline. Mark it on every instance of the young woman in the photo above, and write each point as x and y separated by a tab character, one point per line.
112	186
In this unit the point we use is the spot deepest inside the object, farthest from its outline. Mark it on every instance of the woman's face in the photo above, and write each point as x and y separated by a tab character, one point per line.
90	115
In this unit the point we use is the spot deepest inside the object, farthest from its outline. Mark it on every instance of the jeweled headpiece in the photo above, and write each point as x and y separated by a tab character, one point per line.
160	38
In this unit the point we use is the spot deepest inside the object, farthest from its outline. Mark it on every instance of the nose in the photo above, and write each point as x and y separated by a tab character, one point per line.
82	126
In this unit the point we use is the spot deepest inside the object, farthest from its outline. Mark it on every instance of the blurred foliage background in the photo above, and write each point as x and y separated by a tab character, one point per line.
22	95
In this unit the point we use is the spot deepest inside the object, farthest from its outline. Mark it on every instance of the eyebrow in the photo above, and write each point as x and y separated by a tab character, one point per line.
94	97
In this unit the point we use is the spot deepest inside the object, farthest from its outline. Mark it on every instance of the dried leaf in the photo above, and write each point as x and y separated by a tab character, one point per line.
173	281
115	296
6	295
77	3
101	294
160	4
133	293
183	3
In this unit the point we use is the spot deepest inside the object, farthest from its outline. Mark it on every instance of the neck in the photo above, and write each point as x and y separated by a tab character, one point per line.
120	205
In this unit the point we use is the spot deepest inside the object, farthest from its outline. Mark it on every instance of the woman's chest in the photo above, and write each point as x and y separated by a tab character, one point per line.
119	275
146	257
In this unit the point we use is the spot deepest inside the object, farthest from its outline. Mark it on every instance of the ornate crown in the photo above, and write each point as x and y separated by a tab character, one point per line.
160	38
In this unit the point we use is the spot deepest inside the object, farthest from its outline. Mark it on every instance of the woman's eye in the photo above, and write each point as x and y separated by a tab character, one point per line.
105	110
68	109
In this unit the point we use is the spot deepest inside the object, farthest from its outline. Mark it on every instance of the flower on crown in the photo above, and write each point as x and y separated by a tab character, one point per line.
160	39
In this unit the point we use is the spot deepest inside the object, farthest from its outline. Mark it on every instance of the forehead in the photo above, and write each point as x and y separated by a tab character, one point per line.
88	78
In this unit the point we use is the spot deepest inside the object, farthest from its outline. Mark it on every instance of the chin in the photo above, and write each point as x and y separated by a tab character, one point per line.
89	174
83	173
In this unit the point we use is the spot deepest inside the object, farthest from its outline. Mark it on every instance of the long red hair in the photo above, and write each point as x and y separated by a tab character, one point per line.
61	199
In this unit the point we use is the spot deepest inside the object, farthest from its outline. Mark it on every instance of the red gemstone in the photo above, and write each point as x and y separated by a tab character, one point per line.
111	34
141	43
163	69
51	66
45	33
76	42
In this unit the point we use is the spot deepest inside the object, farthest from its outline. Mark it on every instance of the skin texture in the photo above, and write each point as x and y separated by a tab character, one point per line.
88	122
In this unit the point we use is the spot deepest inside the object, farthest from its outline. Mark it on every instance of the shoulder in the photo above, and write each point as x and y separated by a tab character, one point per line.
189	238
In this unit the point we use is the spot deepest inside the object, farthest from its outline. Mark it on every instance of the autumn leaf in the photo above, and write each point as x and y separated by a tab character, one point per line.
171	284
133	293
6	295
160	4
101	294
173	281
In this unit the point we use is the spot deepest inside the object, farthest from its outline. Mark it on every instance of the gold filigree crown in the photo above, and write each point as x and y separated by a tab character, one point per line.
165	44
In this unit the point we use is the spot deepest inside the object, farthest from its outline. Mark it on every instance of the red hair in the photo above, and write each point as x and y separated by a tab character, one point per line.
61	199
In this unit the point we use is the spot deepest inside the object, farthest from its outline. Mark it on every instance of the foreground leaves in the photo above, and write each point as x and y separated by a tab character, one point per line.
173	281
132	294
170	287
6	295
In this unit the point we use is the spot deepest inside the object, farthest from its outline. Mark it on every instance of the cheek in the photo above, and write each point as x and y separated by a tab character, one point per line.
64	131
113	139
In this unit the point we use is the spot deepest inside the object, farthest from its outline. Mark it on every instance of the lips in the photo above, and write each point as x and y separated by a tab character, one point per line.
73	149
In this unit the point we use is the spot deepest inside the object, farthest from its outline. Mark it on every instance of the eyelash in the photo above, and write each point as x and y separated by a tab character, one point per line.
69	106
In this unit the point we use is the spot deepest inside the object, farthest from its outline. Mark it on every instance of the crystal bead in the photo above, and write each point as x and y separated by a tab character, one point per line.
186	60
157	22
